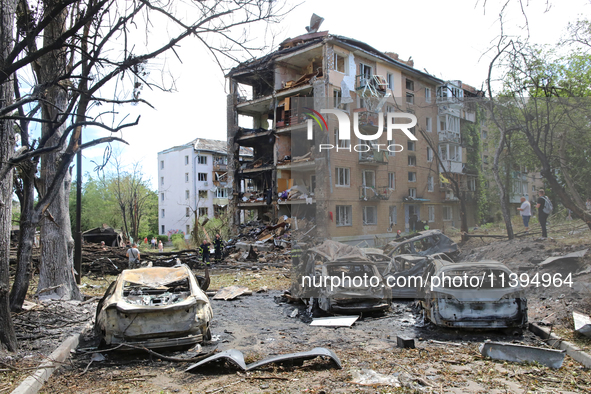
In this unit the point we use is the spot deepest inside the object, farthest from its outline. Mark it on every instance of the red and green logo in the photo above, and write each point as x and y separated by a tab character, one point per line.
316	115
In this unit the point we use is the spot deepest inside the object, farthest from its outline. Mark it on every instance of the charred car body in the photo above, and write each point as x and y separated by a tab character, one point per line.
340	278
424	244
473	295
154	307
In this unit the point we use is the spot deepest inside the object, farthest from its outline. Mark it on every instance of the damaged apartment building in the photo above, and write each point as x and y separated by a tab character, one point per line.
355	189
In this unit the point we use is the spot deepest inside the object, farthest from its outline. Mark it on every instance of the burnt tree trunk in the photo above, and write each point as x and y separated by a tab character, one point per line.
25	239
57	244
7	144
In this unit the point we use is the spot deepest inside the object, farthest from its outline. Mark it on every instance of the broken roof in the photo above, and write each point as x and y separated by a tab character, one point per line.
300	42
209	145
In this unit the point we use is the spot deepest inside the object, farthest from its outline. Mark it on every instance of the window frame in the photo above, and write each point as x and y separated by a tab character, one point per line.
347	172
348	215
375	215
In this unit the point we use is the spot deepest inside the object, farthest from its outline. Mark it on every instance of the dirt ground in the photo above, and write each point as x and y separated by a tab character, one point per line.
260	325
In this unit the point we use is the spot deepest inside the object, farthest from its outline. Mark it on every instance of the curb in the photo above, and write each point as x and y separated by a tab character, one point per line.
556	342
33	383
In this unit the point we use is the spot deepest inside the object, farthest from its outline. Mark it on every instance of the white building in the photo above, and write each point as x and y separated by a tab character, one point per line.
192	181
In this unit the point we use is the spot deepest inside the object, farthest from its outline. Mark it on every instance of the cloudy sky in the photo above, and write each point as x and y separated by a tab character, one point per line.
448	39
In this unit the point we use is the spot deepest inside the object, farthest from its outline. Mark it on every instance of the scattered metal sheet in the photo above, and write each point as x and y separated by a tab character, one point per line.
520	353
237	358
232	355
582	324
232	292
335	321
573	255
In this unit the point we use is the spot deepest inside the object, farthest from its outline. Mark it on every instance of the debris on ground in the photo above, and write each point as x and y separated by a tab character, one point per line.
552	358
335	321
369	377
232	292
582	323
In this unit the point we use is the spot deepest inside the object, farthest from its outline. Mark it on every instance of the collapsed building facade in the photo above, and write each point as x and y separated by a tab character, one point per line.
353	189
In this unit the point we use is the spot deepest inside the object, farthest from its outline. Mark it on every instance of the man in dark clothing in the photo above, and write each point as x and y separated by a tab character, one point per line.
542	216
218	246
204	250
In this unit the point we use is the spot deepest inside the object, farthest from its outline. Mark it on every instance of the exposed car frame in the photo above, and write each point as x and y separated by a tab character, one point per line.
425	243
155	307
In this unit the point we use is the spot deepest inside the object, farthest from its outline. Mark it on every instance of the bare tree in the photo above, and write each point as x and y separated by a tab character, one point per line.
79	51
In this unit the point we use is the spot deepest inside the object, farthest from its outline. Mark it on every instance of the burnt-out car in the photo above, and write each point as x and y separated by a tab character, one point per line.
155	307
473	295
424	244
340	278
382	261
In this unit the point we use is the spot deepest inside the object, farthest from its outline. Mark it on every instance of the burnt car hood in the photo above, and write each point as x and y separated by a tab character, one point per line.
445	244
236	358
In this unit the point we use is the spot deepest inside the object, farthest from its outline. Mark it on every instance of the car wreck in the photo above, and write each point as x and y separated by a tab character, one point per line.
424	244
155	307
472	295
338	279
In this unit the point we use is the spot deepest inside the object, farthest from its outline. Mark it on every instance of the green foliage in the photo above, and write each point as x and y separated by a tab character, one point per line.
471	139
178	241
163	238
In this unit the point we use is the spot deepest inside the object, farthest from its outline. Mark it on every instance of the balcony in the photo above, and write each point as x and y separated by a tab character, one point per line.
220	166
369	193
451	166
374	156
449	136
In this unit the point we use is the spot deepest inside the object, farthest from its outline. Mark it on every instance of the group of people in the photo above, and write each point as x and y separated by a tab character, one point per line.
544	207
218	246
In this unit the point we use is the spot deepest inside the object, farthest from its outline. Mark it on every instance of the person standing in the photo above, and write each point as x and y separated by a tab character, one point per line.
134	256
543	205
153	242
204	250
525	212
160	246
218	246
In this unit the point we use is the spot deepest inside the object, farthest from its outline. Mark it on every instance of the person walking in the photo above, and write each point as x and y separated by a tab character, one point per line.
218	246
544	207
525	212
133	254
204	250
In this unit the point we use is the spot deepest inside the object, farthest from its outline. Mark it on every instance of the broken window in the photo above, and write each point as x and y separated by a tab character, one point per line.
412	161
370	215
221	193
427	95
202	159
429	124
339	63
202	177
344	213
342	175
447	213
410	84
203	194
393	214
156	294
203	211
392	180
412	176
410	98
336	95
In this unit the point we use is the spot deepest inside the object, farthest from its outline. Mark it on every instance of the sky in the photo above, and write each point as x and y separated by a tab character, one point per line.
448	39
